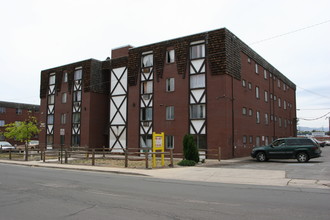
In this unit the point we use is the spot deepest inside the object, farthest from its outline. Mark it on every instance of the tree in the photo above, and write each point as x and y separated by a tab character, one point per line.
190	150
22	131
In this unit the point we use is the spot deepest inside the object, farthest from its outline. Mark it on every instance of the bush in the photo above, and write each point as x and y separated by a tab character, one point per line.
190	150
187	163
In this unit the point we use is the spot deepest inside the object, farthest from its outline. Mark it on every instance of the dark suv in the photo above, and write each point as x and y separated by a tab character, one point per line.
301	149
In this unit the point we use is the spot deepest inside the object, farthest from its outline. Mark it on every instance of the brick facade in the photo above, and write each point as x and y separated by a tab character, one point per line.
236	119
11	112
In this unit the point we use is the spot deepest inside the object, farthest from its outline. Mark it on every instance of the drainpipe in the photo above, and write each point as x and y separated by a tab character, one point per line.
232	117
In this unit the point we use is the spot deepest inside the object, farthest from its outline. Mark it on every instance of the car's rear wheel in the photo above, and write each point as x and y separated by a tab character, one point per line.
261	157
302	157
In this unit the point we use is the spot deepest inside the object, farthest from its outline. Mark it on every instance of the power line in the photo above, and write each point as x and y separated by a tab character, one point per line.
290	32
314	119
315	93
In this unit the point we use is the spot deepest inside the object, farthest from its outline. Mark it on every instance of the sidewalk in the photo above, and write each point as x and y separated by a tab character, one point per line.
198	173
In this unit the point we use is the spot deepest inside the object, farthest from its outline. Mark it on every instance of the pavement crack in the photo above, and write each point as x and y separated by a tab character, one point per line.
82	210
288	183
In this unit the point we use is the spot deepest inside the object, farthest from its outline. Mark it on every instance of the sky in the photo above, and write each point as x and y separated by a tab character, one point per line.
292	35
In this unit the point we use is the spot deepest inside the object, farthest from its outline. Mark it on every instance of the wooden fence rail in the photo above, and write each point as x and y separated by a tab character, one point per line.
130	154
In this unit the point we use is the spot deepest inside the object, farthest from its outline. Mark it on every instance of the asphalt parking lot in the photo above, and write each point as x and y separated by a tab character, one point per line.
316	168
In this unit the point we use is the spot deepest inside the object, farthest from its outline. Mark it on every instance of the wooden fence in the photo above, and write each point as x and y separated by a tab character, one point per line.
62	155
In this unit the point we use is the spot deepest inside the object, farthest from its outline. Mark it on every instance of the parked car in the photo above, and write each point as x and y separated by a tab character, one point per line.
33	144
327	143
6	146
302	149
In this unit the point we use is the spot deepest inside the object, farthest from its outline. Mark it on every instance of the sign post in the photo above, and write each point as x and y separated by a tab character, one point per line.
158	143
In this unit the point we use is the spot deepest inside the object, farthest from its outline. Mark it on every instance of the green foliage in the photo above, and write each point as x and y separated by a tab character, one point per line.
187	163
22	130
190	150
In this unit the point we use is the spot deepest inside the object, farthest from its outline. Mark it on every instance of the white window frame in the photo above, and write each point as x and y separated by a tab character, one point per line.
169	142
169	112
197	111
170	84
64	97
197	81
170	56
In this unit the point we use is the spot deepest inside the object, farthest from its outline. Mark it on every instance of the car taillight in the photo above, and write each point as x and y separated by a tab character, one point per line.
315	148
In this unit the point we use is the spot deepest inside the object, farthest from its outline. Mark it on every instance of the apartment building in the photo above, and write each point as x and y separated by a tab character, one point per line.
11	112
210	84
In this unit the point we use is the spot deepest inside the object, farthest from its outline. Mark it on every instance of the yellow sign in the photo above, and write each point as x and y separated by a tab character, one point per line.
158	143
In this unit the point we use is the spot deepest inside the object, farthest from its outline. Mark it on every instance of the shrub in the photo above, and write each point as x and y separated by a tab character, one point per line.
187	163
190	150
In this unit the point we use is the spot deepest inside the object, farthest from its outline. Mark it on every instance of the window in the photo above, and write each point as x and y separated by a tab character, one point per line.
65	77
2	110
75	140
279	121
266	96
251	139
244	139
197	111
250	112
50	119
146	114
265	74
197	51
170	56
257	92
2	123
249	60
64	97
250	85
257	69
257	141
243	83
63	119
169	142
170	85
279	102
78	74
50	139
200	141
258	117
284	104
197	81
169	112
18	111
76	118
52	79
266	119
146	87
244	111
147	60
77	96
278	83
266	140
285	123
51	99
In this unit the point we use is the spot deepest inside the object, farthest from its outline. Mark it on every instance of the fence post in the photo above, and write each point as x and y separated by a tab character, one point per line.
219	154
93	157
146	159
41	156
65	156
26	153
103	152
126	158
9	154
171	158
44	157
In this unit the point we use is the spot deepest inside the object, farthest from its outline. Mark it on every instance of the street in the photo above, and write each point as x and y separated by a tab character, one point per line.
43	193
